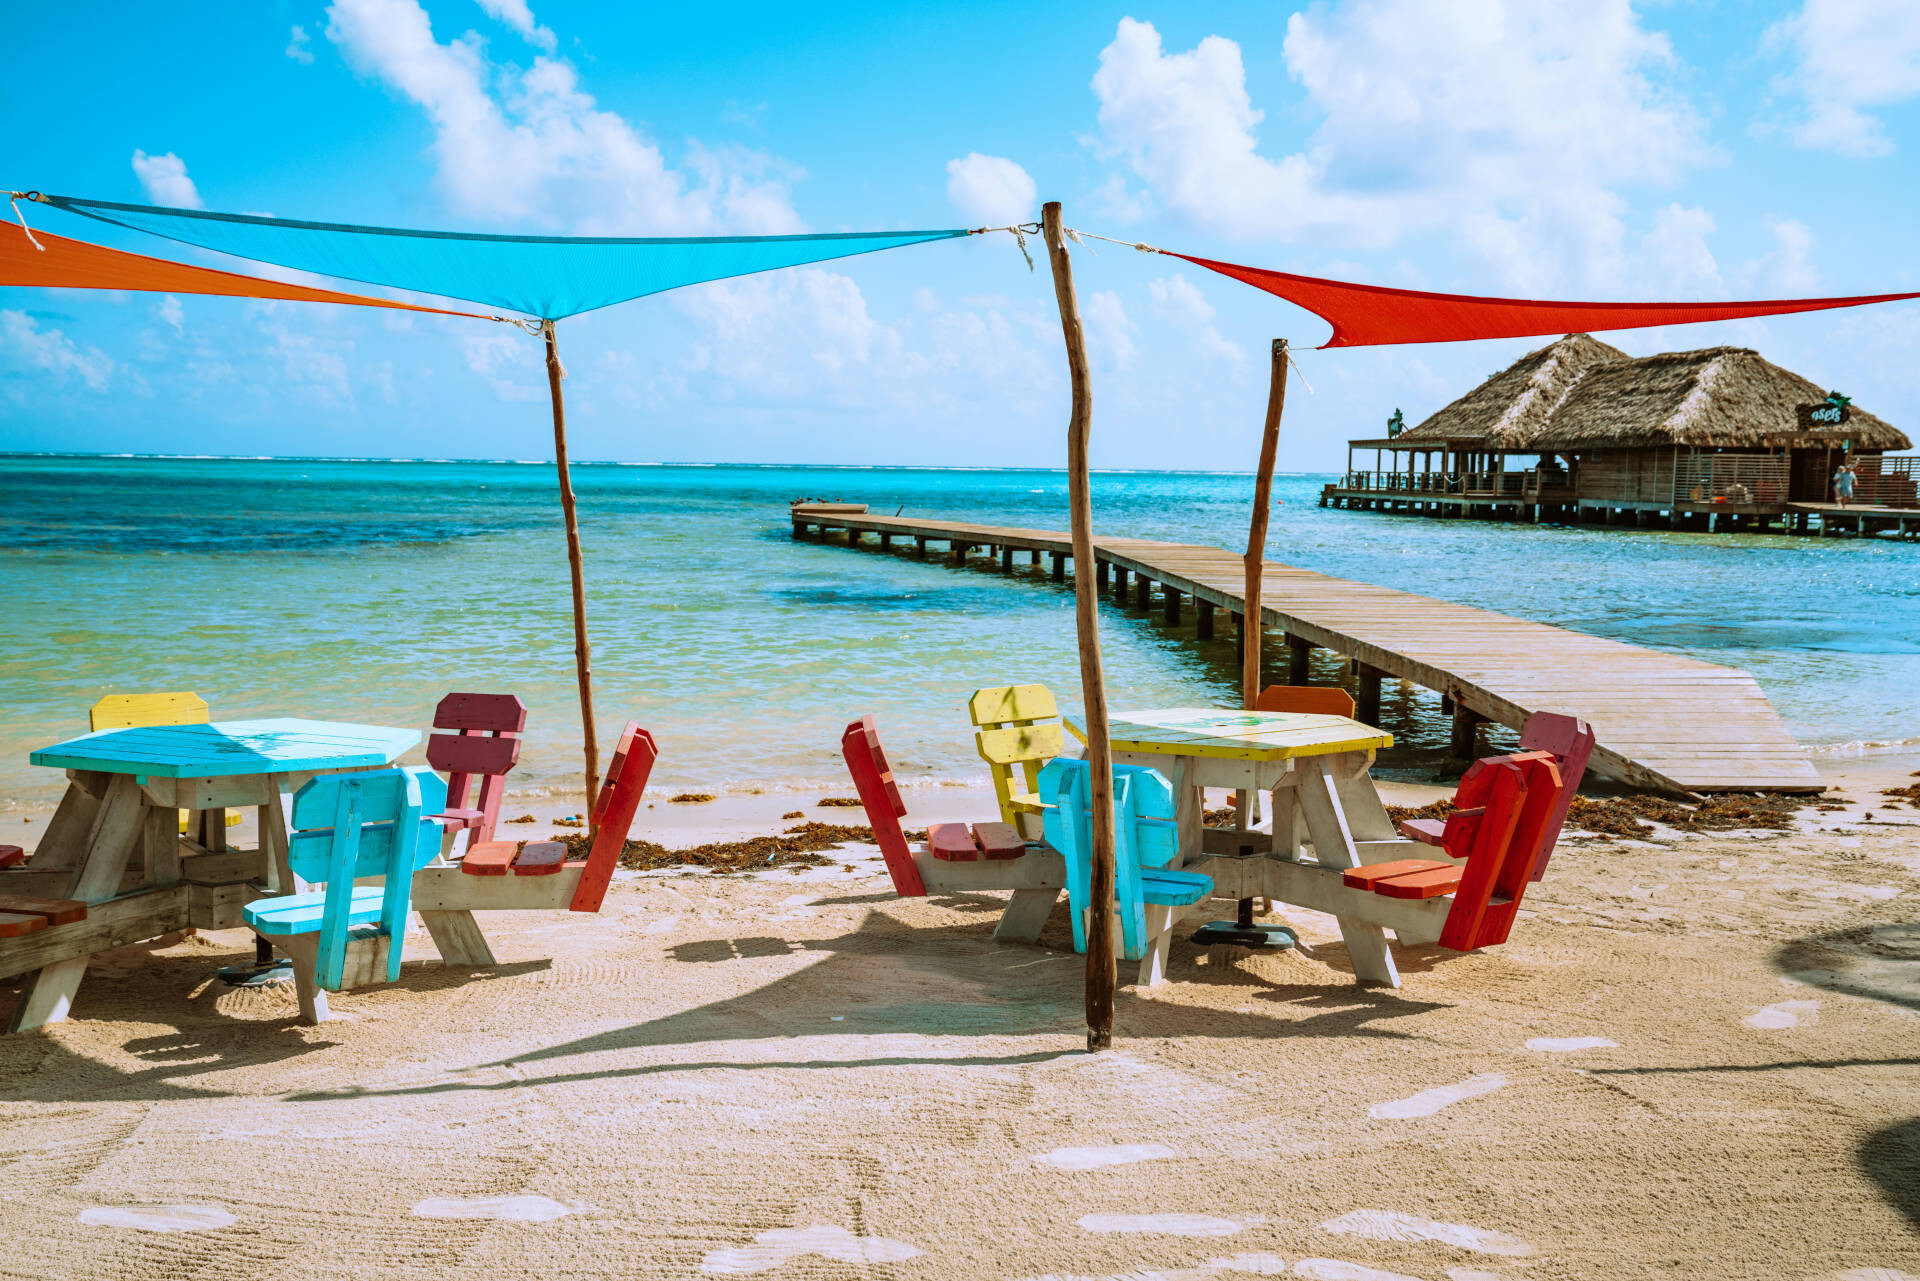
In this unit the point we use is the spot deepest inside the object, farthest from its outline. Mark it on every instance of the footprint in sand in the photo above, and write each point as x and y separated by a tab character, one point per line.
1341	1270
513	1209
158	1218
1096	1158
1260	1265
1427	1102
1782	1014
772	1248
1391	1225
1568	1044
1873	1274
1173	1225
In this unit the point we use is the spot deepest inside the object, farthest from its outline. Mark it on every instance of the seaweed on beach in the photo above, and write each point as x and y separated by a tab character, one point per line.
690	798
1633	815
798	847
839	802
1909	793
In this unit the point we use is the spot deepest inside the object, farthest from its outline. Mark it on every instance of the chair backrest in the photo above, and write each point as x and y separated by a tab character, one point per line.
381	802
362	824
613	809
136	711
1509	804
1324	700
880	797
1144	835
1018	732
485	744
1571	742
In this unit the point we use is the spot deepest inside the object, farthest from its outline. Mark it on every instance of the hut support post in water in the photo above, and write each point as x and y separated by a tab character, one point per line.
582	651
1101	970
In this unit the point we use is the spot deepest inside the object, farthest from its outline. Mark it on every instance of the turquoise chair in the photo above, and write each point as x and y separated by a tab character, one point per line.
347	827
1147	893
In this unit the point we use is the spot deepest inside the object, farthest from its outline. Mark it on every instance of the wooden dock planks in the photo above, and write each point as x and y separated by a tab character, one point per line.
1663	721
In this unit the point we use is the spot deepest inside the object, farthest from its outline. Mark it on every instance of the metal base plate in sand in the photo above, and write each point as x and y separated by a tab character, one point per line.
1244	932
256	975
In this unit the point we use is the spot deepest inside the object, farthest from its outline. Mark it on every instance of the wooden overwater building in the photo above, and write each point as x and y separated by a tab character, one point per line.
1579	431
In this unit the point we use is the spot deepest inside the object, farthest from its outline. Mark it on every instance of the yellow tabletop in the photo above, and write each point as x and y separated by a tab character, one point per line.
1244	736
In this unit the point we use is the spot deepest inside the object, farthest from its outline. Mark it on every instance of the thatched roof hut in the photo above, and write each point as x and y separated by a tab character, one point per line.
1580	393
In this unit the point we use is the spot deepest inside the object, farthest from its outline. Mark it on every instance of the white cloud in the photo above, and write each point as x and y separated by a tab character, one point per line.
1854	55
1509	124
1115	200
1675	254
517	15
497	355
782	333
532	146
51	351
1177	299
1110	331
1788	270
991	190
299	46
170	312
164	179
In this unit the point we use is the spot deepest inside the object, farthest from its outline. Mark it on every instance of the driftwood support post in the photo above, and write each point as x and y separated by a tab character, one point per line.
1101	972
582	652
1262	509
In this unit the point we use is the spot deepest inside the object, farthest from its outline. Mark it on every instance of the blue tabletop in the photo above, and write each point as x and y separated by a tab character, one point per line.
227	749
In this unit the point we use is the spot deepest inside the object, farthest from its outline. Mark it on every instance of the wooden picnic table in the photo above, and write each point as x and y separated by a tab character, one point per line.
115	843
1316	769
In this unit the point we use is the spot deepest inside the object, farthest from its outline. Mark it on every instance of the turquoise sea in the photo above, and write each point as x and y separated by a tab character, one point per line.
353	590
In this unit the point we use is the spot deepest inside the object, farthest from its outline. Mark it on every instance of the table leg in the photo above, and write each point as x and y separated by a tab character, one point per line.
1025	917
1189	811
1322	806
273	844
458	937
117	827
65	840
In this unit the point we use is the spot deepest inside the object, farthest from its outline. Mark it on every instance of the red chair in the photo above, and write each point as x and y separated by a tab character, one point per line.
486	746
880	795
613	814
1571	742
1324	700
1505	814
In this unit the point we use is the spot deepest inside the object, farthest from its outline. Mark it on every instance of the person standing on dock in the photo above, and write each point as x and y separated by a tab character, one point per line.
1843	483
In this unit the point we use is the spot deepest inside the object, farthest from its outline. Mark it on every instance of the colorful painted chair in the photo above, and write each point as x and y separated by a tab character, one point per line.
1324	700
137	711
1018	732
959	858
1504	818
346	827
1148	896
1570	743
483	748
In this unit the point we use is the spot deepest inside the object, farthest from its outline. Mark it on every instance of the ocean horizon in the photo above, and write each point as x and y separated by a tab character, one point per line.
364	589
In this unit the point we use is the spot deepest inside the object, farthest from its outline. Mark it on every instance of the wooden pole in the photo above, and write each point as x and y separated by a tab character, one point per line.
1102	975
582	652
1262	508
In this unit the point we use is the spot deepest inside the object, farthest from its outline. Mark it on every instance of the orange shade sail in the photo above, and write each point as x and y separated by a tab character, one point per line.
1373	315
74	264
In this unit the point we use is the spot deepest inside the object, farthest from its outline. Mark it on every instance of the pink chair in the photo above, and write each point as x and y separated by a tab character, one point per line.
485	746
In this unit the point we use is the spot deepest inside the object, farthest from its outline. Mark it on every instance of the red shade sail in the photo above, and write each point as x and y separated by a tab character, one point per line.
74	264
1372	315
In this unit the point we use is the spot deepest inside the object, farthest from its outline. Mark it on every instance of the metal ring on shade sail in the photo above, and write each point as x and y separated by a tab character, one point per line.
550	277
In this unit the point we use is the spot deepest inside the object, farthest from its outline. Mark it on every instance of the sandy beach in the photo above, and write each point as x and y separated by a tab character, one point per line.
1694	1059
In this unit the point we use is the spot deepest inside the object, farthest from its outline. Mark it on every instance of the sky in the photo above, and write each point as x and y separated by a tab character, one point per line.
1607	150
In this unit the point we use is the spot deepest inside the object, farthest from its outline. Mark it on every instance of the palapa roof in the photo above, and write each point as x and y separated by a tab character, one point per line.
1580	393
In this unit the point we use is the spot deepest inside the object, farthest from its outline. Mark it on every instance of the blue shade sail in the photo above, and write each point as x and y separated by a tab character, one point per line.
550	277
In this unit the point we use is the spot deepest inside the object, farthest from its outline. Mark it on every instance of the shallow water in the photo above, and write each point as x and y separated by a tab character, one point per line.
365	590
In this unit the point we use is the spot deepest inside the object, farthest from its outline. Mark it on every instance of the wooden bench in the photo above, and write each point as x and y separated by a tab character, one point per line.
959	857
24	914
483	749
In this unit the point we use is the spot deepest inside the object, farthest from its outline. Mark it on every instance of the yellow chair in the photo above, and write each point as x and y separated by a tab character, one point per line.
138	711
1019	731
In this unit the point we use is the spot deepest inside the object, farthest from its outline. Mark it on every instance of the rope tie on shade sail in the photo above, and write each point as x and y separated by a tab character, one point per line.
14	198
1020	232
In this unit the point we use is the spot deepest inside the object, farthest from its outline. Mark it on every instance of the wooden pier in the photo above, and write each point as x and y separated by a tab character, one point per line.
1663	722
